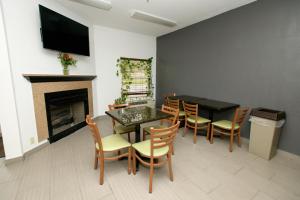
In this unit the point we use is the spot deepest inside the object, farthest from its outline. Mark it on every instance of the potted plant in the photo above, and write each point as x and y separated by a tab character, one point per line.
66	60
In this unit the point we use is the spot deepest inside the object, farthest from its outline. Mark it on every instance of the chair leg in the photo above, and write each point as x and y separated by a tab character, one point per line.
133	162
239	138
221	136
129	160
151	175
208	131
231	141
172	146
96	159
195	135
101	170
170	166
185	130
212	134
128	135
144	135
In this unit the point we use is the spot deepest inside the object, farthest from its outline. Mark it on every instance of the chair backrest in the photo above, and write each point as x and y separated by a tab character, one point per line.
190	109
239	116
172	111
114	107
168	95
174	103
95	132
160	138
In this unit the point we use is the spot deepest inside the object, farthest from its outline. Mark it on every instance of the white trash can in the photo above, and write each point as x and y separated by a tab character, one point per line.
264	136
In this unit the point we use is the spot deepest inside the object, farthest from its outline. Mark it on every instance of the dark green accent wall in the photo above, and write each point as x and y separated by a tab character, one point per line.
250	56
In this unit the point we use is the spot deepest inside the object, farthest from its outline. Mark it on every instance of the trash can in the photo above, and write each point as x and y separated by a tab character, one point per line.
265	131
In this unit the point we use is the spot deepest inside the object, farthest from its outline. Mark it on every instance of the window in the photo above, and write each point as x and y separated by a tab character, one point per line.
136	79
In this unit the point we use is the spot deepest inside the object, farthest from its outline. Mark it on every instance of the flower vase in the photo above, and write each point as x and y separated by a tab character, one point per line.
66	70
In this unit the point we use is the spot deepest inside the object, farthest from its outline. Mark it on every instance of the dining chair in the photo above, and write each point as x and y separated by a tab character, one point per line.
119	128
164	123
175	103
193	121
166	96
230	128
157	147
108	144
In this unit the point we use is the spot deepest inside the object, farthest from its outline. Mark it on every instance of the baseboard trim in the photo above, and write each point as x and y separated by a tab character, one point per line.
101	117
279	151
26	154
245	140
13	160
288	155
37	148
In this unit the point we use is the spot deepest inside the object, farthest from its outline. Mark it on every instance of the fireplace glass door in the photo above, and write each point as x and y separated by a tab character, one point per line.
66	112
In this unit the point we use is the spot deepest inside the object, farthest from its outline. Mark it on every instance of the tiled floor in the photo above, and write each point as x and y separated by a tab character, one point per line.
64	170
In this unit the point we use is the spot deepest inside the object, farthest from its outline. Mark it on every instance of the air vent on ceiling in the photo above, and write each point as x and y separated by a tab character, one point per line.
101	4
152	18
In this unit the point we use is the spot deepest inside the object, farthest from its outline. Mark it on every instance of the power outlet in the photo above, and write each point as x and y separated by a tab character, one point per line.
32	140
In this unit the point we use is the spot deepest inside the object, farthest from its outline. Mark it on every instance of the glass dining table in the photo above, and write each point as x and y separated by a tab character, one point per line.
135	116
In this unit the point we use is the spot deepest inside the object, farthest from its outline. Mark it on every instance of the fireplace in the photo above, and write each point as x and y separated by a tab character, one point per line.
66	111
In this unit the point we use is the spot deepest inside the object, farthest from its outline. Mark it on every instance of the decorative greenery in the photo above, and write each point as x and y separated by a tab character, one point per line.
66	60
126	67
121	100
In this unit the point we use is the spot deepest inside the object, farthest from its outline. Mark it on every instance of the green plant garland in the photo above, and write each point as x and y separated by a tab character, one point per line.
126	67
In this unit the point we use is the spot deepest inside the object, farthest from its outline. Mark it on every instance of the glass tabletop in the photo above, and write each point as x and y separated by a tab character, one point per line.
137	115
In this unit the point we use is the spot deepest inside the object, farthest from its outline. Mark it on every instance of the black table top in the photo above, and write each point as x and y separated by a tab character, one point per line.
137	115
208	104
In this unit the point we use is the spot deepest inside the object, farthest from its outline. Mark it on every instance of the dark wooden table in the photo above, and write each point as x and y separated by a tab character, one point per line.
210	105
137	116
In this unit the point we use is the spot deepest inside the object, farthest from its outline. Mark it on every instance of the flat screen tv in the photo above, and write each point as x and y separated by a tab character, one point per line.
63	34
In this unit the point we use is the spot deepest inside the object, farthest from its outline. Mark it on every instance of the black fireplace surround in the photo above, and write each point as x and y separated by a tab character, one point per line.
66	111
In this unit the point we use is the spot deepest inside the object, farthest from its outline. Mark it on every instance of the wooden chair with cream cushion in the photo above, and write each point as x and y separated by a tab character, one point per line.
175	103
108	144
193	121
164	123
157	147
230	128
166	96
119	128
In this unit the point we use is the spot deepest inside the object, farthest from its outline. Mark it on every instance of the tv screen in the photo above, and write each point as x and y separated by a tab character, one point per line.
63	34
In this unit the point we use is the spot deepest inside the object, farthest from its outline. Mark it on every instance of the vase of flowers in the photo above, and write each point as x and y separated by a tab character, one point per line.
66	60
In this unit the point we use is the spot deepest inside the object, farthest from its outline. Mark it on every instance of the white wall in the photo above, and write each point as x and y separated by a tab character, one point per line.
111	44
8	112
28	56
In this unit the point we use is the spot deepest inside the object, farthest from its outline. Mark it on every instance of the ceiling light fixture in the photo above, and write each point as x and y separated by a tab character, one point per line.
101	4
152	18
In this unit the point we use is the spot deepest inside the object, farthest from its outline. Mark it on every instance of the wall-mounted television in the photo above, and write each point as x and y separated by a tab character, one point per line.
62	33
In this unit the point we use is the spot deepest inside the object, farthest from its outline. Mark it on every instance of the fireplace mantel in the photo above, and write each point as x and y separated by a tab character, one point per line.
39	78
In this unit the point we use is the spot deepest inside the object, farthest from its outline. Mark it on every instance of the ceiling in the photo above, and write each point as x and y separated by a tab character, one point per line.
184	12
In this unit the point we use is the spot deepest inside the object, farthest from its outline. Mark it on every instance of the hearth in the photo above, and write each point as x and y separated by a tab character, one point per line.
66	111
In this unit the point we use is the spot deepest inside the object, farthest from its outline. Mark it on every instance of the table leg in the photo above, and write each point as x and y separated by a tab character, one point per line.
211	118
137	139
211	115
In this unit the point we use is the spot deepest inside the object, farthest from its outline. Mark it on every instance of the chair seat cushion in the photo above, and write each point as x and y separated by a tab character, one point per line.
147	129
200	120
120	129
113	142
145	146
181	113
225	124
